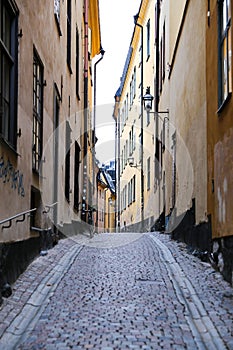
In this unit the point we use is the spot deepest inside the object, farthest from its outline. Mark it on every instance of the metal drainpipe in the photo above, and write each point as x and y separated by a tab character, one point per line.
85	178
156	100
102	52
115	207
142	151
118	170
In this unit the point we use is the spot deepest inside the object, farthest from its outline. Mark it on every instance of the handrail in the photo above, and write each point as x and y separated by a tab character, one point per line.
49	206
39	229
23	214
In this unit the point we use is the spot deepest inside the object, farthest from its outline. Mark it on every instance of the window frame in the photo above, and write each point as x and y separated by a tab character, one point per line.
69	33
57	15
148	39
224	74
37	146
67	162
9	135
77	64
148	174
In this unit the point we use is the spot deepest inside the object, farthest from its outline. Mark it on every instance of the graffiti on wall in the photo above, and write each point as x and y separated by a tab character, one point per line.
8	174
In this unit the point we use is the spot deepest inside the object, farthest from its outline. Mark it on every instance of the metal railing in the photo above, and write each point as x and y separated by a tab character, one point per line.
48	207
23	214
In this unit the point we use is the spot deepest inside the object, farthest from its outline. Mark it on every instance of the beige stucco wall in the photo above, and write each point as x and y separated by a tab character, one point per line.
40	31
188	111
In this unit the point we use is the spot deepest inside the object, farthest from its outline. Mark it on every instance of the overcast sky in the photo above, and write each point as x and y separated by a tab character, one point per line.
117	24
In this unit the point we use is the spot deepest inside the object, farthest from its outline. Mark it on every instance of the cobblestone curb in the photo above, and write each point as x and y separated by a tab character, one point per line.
196	315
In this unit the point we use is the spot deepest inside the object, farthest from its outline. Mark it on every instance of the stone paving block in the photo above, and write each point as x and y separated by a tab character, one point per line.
100	303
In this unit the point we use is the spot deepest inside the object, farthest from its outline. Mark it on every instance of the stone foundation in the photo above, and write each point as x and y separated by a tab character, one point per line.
16	256
223	257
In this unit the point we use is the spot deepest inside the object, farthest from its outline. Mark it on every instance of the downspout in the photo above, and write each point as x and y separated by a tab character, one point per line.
102	52
115	208
118	174
85	187
156	100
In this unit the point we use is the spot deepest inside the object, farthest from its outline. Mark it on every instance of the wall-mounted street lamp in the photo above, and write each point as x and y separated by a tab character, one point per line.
131	163
148	99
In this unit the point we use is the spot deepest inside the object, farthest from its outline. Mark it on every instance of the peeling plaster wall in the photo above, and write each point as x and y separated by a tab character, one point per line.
223	170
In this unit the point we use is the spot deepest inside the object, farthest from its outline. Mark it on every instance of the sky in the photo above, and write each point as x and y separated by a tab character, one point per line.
117	25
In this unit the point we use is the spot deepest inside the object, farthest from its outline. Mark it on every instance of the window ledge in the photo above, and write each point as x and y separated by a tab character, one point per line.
224	103
9	145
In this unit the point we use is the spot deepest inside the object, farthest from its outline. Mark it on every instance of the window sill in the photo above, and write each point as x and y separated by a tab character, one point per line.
224	103
8	145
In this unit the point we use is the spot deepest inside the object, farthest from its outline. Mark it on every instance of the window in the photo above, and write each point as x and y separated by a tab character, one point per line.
77	64
57	14
156	24
225	70
157	158
76	175
57	10
35	219
69	34
163	53
124	155
125	197
133	188
37	140
130	144
140	148
148	39
67	162
134	83
162	59
123	116
148	118
8	71
131	93
148	174
132	141
133	138
129	193
127	150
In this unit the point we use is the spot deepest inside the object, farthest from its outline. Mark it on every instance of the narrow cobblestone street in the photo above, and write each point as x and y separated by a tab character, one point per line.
118	291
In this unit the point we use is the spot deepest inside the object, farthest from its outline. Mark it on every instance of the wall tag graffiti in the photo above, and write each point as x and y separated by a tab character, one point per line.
8	174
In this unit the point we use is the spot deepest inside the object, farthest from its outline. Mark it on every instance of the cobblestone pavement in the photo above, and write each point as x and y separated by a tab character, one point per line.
118	291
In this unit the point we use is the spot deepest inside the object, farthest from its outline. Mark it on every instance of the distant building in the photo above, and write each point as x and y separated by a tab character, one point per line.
106	198
135	174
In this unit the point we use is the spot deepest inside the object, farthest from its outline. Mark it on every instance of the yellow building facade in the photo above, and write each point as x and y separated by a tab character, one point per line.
178	178
220	131
135	128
